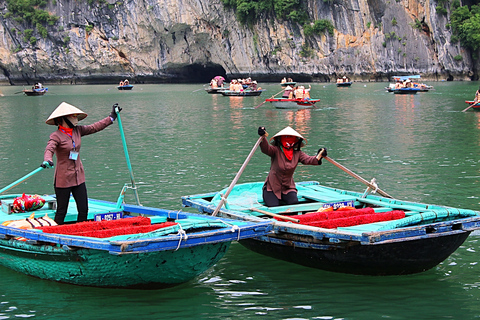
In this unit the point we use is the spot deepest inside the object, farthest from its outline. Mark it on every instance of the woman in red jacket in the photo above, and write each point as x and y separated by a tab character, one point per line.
285	155
65	143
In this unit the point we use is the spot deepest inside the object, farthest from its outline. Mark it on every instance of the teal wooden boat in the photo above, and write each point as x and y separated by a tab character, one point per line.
161	248
377	235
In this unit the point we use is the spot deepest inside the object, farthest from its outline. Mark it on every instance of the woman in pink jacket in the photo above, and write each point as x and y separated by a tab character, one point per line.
285	154
65	143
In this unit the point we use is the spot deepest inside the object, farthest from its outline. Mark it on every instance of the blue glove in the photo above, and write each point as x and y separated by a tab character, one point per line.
47	164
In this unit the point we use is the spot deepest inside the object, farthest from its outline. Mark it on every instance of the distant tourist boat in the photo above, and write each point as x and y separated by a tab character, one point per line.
344	82
37	90
408	82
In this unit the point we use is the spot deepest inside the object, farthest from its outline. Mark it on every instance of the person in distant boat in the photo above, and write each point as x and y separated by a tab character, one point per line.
477	96
283	80
288	90
126	82
213	84
65	143
285	154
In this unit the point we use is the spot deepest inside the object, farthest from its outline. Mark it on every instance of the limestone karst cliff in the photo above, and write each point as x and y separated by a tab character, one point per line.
192	41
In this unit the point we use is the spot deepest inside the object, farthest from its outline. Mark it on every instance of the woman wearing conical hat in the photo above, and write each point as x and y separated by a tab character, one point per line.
65	143
285	154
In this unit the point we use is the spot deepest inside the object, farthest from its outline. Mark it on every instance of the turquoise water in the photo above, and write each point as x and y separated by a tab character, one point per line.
184	141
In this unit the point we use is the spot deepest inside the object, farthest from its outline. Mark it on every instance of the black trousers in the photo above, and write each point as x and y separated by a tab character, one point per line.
271	199
63	197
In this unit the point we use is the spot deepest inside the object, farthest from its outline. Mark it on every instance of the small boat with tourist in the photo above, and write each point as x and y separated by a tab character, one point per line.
125	85
37	90
286	103
408	82
216	85
344	82
285	82
345	231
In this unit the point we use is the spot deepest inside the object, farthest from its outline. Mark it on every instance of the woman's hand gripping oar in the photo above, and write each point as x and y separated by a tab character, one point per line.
261	104
224	197
356	176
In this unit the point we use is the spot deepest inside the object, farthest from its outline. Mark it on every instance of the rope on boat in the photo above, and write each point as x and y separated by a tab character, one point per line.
182	233
234	228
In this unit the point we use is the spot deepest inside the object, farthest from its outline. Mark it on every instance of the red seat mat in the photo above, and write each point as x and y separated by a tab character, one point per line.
107	228
346	218
357	220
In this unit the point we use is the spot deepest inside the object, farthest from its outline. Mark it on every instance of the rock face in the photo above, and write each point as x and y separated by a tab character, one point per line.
193	40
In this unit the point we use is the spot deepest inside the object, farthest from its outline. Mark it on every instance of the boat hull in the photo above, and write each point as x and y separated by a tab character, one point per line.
425	236
344	84
35	92
252	93
215	90
89	267
377	260
147	248
292	103
127	87
405	91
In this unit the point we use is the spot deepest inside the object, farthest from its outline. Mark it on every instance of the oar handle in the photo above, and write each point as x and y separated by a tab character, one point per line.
224	197
127	157
356	176
13	184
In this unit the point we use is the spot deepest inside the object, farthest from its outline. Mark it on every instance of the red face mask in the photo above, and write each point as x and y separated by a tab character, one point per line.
287	143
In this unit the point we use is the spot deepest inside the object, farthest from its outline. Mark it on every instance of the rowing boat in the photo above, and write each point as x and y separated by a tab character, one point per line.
123	246
35	91
346	231
285	103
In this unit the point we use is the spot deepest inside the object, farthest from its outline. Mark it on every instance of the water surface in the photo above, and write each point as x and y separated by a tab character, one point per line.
184	141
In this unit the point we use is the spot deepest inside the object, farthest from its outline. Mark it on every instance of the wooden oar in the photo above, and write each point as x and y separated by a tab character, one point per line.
13	184
127	157
224	197
472	105
199	89
274	215
356	176
261	104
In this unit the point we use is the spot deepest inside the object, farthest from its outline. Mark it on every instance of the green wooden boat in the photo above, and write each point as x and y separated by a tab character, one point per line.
377	235
181	247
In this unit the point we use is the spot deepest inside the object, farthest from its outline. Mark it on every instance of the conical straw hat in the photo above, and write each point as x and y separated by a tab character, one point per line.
65	109
288	131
